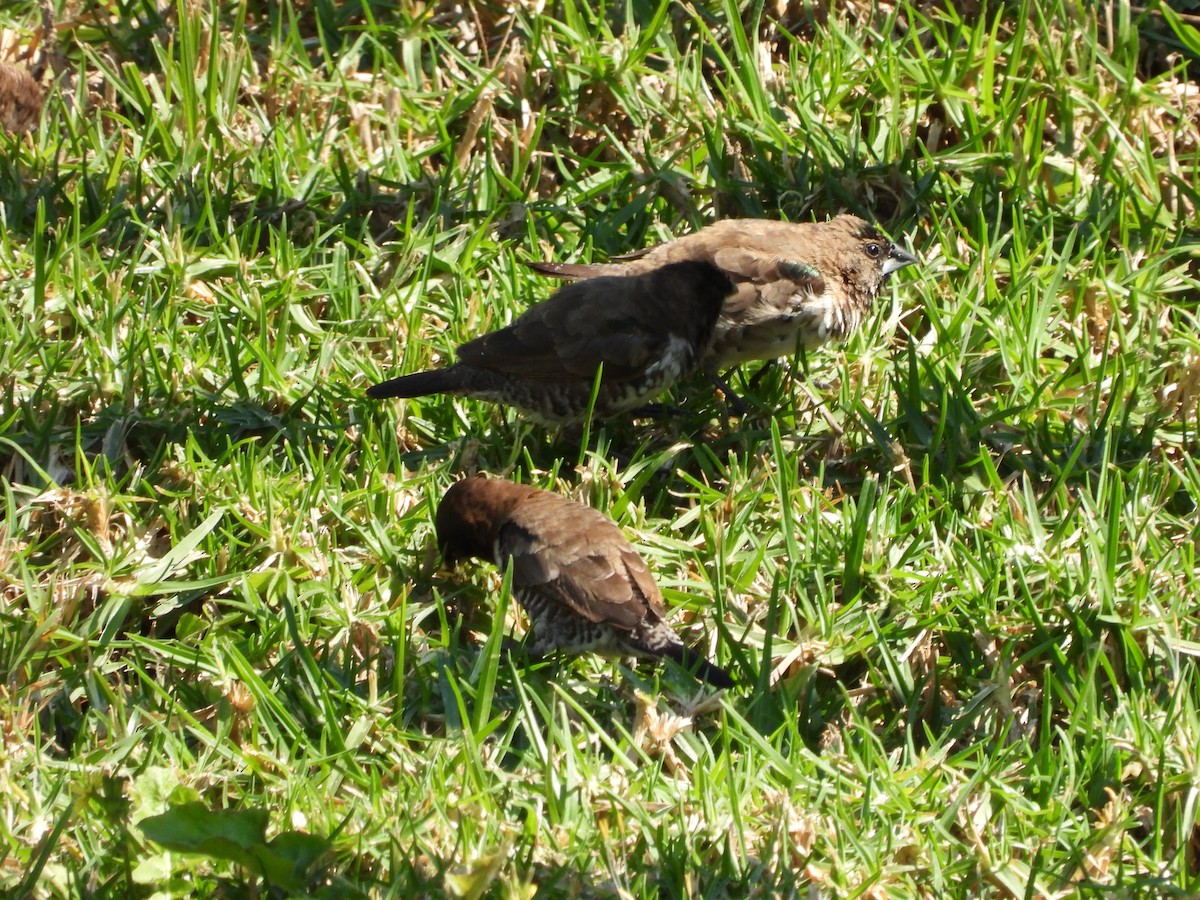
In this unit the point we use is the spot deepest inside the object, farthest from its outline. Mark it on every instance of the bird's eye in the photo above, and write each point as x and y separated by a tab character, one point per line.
873	250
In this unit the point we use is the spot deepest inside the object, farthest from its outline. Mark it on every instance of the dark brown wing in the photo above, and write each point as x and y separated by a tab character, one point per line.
753	252
745	248
579	557
764	268
622	323
584	325
765	281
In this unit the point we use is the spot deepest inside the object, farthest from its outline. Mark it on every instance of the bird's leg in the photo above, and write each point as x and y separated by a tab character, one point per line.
512	647
823	409
537	646
526	652
736	403
800	373
758	376
536	653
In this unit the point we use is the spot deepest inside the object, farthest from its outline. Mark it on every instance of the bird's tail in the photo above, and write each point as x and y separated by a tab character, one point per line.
418	384
573	271
699	666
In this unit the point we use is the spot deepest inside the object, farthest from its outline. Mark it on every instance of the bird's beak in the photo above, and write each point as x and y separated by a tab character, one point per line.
897	259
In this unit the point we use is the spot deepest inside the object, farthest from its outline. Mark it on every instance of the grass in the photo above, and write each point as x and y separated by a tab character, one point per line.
954	561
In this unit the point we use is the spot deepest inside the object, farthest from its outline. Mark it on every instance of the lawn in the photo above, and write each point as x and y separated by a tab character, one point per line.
953	562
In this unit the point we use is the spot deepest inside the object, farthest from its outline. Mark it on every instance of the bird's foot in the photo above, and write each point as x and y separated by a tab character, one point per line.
736	404
762	371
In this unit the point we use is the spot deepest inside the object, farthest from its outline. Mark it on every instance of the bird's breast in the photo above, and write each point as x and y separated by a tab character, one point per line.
779	324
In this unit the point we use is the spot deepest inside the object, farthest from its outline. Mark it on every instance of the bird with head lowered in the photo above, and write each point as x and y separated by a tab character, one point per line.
580	582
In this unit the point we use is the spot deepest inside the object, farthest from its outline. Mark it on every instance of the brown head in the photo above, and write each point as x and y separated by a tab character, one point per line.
471	514
864	257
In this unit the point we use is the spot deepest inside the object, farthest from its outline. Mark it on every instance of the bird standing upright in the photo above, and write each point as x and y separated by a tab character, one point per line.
797	284
642	333
582	585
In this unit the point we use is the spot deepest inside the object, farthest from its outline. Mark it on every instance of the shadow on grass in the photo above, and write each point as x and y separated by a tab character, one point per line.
122	436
